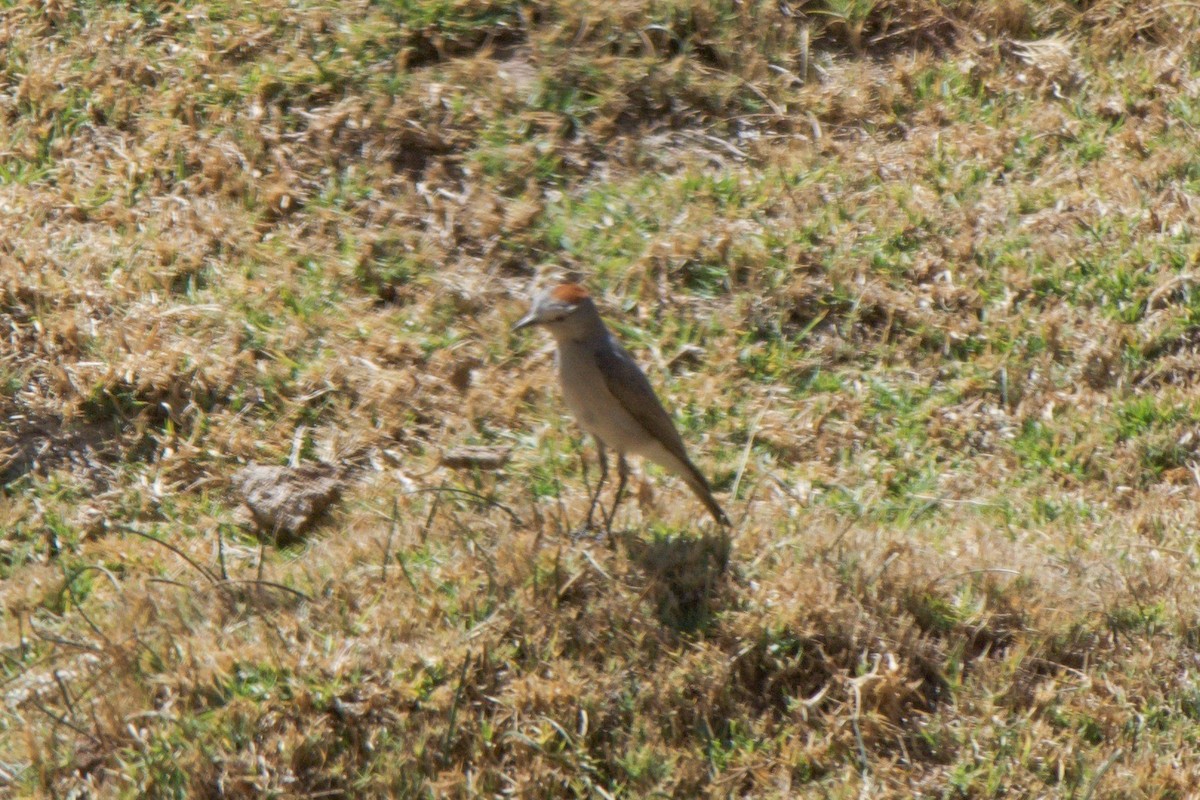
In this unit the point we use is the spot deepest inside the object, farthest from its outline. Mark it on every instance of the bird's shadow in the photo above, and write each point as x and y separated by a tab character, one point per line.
685	575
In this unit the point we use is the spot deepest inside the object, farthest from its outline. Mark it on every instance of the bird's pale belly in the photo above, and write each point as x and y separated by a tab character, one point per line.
602	415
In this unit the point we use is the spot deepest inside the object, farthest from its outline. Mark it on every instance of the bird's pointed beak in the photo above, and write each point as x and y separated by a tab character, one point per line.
526	321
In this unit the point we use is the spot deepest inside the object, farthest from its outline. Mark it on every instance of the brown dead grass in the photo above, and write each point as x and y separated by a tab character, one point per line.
917	277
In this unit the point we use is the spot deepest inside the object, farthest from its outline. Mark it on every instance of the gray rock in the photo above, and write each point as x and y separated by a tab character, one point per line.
472	457
285	501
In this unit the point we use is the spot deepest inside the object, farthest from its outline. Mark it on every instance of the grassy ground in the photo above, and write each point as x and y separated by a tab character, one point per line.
919	279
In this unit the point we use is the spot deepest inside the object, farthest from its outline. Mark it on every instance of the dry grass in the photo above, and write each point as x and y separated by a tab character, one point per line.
919	278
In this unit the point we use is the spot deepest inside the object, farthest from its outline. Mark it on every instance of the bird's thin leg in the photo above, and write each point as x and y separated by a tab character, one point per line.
602	457
622	479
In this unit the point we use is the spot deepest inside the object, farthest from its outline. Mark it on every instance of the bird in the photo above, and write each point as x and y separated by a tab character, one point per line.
610	397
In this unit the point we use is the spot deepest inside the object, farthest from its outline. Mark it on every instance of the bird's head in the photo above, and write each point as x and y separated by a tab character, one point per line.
558	308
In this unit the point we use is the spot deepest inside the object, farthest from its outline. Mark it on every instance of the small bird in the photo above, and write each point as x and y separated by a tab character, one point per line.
610	396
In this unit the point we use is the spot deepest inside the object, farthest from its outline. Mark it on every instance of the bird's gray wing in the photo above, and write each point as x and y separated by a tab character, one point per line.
626	382
629	385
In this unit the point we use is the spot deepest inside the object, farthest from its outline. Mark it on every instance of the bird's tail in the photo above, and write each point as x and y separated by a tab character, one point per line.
697	483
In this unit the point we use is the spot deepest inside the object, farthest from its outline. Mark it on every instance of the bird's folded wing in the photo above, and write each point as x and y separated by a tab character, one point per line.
626	382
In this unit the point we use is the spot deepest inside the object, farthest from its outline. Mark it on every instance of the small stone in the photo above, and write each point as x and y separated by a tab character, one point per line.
688	355
285	501
476	457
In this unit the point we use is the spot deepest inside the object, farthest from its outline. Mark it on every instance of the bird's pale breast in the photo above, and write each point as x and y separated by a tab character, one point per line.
594	407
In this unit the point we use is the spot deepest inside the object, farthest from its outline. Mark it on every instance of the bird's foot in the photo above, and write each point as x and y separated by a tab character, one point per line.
590	531
585	533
